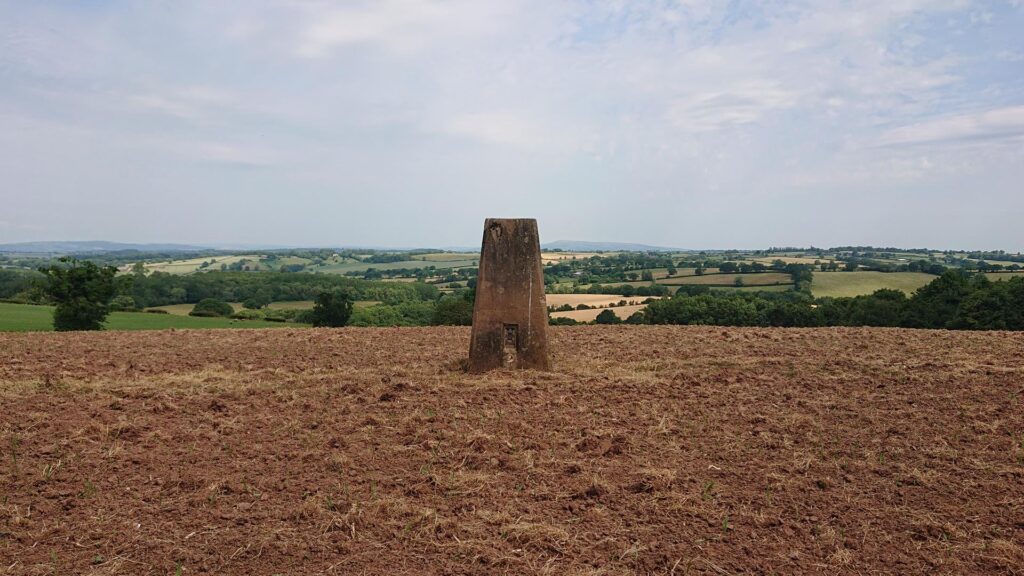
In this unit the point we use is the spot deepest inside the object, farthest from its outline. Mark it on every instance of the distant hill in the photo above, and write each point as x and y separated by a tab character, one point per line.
92	247
584	246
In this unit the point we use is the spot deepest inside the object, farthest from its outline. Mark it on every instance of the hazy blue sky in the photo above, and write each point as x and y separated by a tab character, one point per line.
690	123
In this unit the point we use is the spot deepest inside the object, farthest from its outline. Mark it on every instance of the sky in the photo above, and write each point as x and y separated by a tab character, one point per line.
405	123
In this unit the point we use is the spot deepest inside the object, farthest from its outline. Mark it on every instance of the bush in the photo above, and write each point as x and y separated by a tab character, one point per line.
562	321
248	315
332	309
637	317
403	314
82	292
607	317
123	303
457	311
156	311
211	307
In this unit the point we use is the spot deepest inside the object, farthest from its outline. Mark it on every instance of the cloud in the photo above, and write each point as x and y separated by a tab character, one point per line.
700	104
999	124
746	103
401	26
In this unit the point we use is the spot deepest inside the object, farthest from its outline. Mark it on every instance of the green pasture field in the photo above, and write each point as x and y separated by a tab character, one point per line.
184	309
790	259
274	260
837	284
30	318
401	265
446	256
771	288
758	279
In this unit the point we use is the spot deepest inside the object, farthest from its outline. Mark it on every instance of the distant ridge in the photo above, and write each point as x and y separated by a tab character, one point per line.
92	247
101	246
584	246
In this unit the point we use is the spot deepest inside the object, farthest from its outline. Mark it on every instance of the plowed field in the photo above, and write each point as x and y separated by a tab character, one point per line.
649	450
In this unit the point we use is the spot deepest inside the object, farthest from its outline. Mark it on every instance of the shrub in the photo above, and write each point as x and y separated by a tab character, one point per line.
211	307
637	317
82	292
562	321
123	303
451	311
332	309
607	317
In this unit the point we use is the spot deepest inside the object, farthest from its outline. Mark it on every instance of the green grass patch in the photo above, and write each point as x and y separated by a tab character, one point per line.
847	284
402	265
29	318
184	309
772	288
759	279
446	257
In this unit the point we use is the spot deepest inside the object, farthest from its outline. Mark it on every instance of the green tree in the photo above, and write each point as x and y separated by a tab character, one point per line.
122	302
258	300
935	305
607	317
454	311
82	292
332	309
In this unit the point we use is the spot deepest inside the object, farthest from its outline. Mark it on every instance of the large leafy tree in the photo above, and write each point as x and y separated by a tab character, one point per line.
454	310
82	292
332	309
935	305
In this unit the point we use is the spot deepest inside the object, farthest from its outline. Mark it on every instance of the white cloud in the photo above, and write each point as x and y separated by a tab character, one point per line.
402	26
745	103
988	125
698	103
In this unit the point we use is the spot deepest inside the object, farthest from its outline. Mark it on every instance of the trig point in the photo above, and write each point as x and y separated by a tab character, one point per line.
510	316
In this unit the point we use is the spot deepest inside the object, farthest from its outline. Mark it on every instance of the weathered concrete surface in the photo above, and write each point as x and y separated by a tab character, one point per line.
510	316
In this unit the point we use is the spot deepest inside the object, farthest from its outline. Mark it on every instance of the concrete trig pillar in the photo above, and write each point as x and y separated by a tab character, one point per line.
510	315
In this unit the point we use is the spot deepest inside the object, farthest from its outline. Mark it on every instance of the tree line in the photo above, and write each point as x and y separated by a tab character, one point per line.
955	300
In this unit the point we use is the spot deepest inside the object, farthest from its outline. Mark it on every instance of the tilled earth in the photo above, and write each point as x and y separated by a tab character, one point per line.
648	450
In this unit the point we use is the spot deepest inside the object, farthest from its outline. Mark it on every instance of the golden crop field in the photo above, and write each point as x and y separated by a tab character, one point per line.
557	300
622	312
191	265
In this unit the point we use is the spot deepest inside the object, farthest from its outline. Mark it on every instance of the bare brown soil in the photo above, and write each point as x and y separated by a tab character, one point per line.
649	450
